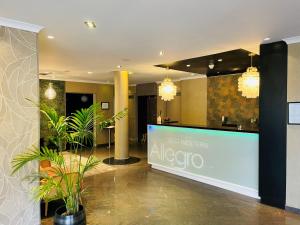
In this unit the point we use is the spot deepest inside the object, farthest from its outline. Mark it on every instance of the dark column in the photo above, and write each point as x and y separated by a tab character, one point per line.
272	110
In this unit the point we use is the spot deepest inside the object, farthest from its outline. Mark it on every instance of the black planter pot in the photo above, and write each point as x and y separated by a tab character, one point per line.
76	219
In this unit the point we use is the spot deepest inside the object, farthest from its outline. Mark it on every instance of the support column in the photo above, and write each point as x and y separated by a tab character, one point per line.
272	123
121	126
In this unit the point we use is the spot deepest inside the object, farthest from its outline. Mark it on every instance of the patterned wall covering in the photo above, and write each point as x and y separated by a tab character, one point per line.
19	122
223	98
59	103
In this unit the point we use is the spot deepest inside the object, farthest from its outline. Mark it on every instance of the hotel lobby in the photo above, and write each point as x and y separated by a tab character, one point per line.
150	112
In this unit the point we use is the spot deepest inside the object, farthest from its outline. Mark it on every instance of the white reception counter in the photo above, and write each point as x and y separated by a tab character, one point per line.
223	158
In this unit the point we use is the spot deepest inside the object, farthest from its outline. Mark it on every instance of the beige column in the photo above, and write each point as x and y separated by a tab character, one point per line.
121	126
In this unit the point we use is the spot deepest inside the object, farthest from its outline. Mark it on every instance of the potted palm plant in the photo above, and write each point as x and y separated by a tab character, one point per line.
64	179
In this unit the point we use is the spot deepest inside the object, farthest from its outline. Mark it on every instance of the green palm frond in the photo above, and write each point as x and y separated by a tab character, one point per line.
46	186
105	123
72	138
50	114
120	114
91	163
81	123
77	130
54	157
22	159
34	154
57	124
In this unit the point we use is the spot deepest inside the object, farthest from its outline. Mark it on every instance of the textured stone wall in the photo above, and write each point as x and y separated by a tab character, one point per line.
223	98
59	103
19	122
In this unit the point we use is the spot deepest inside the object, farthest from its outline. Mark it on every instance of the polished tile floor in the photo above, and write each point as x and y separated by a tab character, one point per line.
138	195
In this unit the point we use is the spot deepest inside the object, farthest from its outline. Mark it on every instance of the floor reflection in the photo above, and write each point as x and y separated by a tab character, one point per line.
136	195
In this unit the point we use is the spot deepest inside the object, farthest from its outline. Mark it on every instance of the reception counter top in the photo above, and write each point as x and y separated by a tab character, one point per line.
224	158
224	128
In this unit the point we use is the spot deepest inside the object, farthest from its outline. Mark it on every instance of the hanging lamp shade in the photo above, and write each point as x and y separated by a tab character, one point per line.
167	90
249	83
50	93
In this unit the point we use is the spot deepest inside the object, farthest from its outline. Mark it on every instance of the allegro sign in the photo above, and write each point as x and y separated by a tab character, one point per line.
177	158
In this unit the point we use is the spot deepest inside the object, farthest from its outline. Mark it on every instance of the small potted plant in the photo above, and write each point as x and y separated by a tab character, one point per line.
64	180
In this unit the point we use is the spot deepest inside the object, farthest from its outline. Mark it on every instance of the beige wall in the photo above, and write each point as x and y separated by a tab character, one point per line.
194	101
19	121
174	106
293	131
189	106
103	93
161	107
171	109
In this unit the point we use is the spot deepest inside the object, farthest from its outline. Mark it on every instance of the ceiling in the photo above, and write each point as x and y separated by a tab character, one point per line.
131	33
223	63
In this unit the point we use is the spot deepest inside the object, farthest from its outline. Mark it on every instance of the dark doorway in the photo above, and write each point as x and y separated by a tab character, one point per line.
147	106
76	102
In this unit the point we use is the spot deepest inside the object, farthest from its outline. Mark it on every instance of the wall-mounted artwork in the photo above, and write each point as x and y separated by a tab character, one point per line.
105	105
294	113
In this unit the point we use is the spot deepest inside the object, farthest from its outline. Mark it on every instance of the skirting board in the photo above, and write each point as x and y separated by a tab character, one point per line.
292	209
211	181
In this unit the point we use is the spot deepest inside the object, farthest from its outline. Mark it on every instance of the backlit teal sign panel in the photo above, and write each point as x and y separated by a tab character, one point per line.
222	155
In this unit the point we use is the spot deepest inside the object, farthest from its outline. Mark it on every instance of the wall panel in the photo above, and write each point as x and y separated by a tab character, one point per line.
19	123
293	131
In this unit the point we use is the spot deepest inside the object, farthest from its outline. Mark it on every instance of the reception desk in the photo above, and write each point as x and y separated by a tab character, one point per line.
224	158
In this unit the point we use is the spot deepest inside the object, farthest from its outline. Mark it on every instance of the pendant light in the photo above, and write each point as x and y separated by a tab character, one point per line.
248	83
167	90
50	93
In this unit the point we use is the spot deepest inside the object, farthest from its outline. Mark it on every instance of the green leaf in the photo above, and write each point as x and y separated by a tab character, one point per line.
77	130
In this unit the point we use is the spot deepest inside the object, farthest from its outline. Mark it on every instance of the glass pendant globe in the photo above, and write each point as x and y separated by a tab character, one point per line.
167	90
50	93
248	83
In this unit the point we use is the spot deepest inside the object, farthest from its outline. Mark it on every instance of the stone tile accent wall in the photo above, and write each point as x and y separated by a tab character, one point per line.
223	98
19	122
59	103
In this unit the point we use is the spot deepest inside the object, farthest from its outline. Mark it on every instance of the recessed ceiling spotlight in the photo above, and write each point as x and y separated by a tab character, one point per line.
211	65
267	39
161	53
45	73
220	60
188	65
90	72
90	24
119	66
50	37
